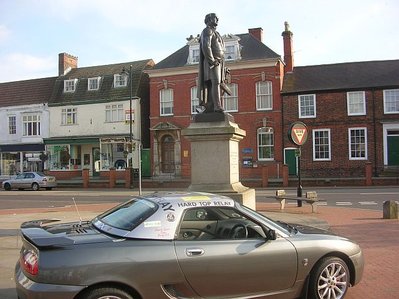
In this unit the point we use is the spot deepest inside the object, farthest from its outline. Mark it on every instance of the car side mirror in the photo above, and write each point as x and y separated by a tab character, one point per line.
271	234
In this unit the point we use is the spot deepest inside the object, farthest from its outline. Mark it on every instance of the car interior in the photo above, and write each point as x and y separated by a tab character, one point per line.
216	224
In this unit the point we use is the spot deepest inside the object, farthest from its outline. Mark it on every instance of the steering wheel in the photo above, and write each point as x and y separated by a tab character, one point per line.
239	231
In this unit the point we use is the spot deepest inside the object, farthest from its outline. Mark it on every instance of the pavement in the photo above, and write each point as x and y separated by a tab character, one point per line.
378	237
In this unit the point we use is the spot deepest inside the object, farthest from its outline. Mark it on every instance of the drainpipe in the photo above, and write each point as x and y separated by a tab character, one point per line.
375	133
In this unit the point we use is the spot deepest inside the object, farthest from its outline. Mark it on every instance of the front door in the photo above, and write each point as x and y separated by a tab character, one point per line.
168	154
96	161
290	160
393	148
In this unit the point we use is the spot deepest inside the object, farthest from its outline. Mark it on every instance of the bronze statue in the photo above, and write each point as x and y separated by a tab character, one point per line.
212	70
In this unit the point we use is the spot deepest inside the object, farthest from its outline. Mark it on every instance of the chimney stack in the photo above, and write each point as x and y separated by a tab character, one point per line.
257	33
66	62
288	46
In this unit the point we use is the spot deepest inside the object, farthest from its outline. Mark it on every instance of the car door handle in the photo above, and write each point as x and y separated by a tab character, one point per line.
194	251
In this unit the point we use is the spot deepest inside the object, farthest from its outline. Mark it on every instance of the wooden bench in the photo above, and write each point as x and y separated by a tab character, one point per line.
311	198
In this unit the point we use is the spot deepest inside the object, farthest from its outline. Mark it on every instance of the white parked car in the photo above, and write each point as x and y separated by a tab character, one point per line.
30	180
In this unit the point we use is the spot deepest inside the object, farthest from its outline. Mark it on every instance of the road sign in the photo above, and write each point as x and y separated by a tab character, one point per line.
298	133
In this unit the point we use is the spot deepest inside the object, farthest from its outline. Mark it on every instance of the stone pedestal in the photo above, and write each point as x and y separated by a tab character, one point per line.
214	141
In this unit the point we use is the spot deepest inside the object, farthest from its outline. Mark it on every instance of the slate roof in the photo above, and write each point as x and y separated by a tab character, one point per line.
251	49
27	92
106	92
342	76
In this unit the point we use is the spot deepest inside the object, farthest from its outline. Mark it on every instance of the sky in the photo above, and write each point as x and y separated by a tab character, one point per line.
100	32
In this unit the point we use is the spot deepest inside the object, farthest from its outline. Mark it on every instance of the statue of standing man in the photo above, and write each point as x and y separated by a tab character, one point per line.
212	70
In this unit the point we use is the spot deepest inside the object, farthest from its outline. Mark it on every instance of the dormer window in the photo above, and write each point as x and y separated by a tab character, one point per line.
232	51
120	80
194	55
70	85
93	83
232	46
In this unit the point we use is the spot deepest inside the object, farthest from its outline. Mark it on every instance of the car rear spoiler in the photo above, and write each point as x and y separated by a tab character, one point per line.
34	232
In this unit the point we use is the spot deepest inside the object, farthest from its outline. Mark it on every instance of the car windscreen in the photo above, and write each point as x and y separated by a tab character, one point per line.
130	214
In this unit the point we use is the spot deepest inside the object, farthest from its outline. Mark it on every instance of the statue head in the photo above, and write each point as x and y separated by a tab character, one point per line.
211	19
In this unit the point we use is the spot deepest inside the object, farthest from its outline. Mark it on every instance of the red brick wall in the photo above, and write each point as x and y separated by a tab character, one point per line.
331	112
247	117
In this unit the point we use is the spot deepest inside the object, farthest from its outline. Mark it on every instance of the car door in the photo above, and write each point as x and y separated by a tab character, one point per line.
18	182
237	267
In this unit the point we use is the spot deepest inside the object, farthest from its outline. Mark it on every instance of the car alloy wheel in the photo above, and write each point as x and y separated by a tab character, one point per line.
330	279
35	186
106	293
7	186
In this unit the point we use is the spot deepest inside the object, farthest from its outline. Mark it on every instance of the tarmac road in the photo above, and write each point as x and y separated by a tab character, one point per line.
378	237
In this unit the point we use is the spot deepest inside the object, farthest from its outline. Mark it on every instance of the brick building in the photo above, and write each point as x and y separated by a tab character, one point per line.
256	79
352	114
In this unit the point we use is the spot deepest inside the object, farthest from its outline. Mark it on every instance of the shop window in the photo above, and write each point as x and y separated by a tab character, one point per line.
59	157
113	155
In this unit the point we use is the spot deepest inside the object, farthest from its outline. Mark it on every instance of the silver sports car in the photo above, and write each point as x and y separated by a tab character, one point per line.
183	245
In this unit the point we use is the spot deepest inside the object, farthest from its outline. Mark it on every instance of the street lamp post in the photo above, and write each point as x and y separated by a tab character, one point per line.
124	71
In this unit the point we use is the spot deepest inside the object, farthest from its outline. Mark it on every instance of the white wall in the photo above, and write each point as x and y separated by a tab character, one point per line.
18	111
91	121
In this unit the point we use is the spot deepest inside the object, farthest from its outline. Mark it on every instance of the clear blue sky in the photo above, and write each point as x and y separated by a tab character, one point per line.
33	32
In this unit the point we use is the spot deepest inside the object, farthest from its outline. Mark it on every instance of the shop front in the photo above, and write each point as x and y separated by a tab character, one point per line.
16	158
67	157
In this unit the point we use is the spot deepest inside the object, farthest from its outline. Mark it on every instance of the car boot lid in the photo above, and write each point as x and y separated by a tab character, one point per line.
42	234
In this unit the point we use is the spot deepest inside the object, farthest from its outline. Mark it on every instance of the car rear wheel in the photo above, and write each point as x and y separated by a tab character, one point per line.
35	187
107	293
7	187
329	279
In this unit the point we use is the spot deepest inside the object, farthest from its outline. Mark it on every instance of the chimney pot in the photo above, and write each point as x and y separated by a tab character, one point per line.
288	48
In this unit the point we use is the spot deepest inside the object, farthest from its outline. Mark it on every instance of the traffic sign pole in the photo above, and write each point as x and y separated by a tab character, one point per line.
299	188
298	134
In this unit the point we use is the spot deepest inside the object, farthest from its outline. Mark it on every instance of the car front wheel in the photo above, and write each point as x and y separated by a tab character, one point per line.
107	293
35	187
7	187
329	279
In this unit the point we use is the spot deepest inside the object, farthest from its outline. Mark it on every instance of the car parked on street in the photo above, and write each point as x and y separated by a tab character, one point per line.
183	245
30	180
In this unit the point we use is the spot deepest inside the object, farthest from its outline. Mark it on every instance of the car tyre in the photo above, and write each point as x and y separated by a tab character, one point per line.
329	279
35	187
107	293
7	187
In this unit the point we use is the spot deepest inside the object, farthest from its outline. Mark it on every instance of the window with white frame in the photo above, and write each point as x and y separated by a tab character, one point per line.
166	102
230	52
194	99
307	106
230	102
265	143
264	95
356	102
93	83
70	85
12	124
321	145
391	101
69	116
120	80
357	143
194	56
31	124
114	113
232	47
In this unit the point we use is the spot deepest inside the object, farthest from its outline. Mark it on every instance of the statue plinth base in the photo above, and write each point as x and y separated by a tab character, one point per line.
214	141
